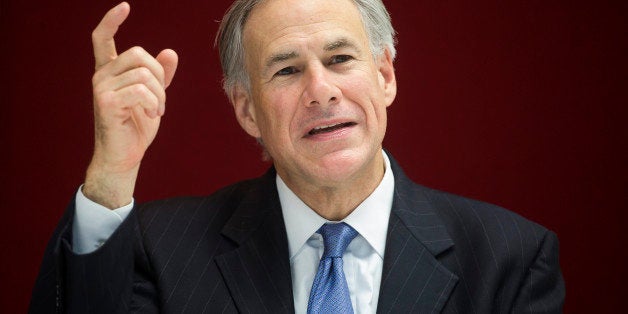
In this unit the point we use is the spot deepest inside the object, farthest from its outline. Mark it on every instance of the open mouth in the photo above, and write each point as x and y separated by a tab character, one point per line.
330	128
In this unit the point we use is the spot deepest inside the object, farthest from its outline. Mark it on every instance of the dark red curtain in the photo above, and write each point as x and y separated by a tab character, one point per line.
519	103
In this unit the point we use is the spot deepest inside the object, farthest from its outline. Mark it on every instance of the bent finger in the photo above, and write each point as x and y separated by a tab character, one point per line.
139	75
138	95
134	58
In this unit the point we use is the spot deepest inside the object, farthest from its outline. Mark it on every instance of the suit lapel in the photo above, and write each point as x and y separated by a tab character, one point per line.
257	272
413	280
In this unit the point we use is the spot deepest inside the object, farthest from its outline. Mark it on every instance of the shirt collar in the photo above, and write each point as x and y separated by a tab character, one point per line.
370	218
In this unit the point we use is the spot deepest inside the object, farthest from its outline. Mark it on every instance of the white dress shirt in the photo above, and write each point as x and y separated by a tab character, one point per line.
362	261
93	223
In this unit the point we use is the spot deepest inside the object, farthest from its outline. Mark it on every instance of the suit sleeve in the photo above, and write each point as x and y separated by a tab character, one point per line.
543	288
103	281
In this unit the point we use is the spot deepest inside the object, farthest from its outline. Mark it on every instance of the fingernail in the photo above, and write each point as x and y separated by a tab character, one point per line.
119	6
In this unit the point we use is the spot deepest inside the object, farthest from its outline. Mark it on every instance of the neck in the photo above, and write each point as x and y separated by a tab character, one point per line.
336	201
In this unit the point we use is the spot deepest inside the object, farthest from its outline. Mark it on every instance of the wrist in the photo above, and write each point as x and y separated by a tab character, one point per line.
110	188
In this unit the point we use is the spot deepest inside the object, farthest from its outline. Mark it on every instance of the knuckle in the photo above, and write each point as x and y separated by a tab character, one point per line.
95	35
97	90
104	100
139	89
142	91
152	100
96	79
137	51
143	74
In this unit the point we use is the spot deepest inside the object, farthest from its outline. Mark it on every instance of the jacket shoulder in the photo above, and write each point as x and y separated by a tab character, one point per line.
499	255
482	218
486	233
193	214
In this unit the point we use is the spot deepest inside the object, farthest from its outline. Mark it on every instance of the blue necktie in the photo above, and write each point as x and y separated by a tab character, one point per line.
330	293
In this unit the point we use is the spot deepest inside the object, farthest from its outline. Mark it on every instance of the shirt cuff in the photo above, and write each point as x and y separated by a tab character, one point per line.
93	223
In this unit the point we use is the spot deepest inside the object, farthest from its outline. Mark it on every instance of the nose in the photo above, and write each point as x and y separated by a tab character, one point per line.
320	88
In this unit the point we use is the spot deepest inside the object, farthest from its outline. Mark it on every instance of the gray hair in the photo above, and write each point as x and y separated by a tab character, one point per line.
375	18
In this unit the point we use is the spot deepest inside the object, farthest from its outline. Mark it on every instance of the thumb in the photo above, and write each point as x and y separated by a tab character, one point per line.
168	60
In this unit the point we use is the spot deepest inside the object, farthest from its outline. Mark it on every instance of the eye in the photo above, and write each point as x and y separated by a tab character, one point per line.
340	59
286	71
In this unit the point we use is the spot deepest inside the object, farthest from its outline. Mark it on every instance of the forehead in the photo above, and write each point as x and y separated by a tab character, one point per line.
281	24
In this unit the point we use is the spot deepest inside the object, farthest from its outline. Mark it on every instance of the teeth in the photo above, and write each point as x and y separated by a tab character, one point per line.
330	127
325	126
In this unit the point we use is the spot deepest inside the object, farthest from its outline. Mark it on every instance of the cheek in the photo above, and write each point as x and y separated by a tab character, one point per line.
358	88
366	92
276	114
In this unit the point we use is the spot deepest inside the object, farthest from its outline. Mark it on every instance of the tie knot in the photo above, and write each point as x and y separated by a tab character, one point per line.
336	238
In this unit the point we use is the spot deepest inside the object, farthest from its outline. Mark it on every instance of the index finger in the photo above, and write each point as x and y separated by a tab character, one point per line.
102	36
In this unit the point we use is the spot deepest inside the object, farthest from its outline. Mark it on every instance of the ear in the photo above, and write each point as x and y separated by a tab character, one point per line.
244	110
386	76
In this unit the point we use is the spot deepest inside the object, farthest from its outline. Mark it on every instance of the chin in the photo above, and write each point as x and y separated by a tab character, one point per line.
342	166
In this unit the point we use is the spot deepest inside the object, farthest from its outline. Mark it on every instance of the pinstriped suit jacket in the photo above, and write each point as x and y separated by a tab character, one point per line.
228	253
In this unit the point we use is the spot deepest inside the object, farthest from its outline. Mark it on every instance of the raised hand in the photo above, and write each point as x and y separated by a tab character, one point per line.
129	100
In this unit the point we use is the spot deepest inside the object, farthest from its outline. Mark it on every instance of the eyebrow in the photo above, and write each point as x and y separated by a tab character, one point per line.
334	45
280	57
341	43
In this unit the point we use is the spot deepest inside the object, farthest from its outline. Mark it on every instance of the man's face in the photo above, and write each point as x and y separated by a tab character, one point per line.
318	98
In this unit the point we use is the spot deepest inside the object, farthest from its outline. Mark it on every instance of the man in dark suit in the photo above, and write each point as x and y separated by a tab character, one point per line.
311	80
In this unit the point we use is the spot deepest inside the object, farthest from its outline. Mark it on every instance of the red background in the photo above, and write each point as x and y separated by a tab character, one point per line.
519	103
